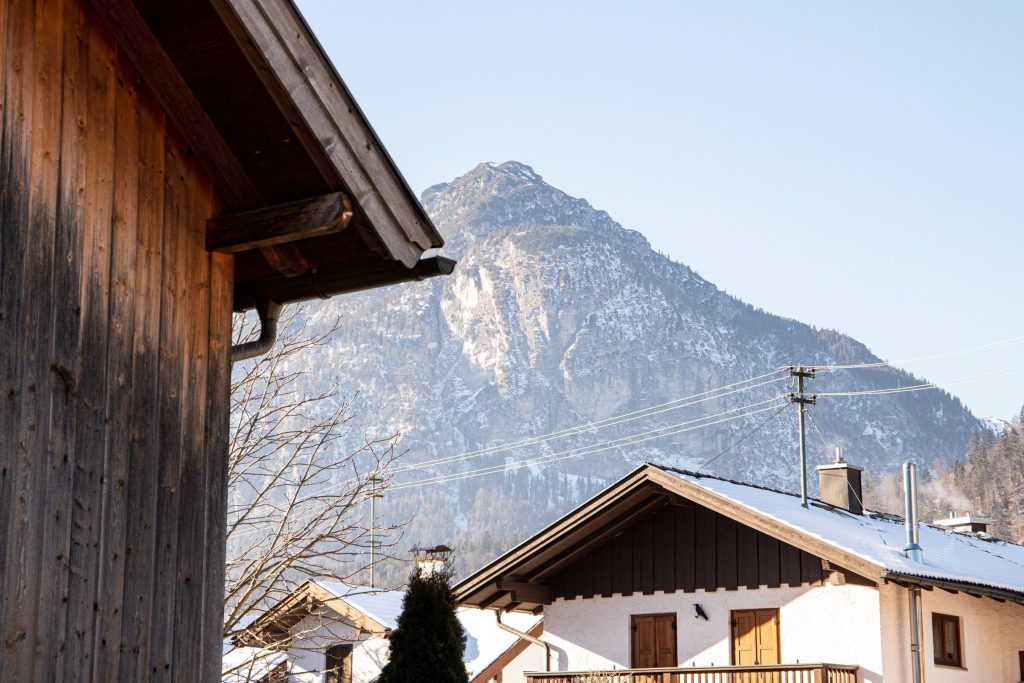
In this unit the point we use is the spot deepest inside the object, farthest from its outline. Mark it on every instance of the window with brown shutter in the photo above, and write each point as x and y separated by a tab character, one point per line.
654	640
946	640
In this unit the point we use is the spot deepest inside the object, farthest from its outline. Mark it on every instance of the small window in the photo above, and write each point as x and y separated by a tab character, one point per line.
946	640
339	664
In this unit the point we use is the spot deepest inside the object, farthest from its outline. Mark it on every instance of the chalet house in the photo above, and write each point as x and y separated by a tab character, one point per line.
162	164
326	632
672	576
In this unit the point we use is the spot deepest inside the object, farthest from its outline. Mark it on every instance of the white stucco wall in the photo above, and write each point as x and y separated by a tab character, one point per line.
835	624
317	633
992	634
530	659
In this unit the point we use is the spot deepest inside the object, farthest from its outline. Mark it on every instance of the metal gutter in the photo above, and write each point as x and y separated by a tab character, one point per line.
527	637
969	588
323	283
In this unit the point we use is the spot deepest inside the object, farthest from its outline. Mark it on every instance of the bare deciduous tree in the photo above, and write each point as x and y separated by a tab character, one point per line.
298	498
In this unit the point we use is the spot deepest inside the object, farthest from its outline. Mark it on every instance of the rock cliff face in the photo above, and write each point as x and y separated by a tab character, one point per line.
556	317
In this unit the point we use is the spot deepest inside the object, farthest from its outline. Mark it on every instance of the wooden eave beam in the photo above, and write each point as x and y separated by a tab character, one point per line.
162	78
522	591
328	122
275	225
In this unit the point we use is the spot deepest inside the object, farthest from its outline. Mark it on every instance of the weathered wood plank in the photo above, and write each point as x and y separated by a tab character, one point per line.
746	556
191	120
91	416
14	164
707	552
173	326
789	564
274	225
144	458
685	549
726	555
191	557
120	344
768	560
664	549
65	333
216	457
622	572
21	585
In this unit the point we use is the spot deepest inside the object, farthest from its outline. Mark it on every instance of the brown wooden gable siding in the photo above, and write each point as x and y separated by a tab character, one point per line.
676	548
115	331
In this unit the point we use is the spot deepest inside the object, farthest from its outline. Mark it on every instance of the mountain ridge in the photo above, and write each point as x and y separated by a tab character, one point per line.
556	316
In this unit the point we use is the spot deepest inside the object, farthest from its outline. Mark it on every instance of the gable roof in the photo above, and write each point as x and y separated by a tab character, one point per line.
870	545
322	206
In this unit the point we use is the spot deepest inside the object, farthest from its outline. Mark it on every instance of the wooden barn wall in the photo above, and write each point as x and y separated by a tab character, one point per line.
115	329
682	549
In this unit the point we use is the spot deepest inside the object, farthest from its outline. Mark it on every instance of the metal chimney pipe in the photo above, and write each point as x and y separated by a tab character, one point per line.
913	547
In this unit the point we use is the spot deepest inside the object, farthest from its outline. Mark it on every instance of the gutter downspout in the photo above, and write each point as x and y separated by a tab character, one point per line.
527	637
913	551
269	312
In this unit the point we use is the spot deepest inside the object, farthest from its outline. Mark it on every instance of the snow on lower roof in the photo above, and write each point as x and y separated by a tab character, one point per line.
948	556
244	664
485	642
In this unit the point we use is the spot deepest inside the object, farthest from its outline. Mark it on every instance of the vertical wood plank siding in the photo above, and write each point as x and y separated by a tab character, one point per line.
678	548
114	368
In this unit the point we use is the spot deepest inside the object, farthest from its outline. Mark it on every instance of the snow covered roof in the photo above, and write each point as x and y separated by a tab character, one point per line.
244	664
485	642
877	538
380	605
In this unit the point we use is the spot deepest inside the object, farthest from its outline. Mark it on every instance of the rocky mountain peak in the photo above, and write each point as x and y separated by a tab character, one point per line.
493	196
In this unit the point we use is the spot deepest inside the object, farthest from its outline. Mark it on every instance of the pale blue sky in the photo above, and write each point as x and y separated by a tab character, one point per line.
855	165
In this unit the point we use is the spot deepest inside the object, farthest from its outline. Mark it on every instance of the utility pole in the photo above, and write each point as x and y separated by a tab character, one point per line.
802	400
374	480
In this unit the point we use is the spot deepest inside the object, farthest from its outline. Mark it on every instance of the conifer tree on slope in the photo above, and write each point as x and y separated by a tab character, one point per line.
428	643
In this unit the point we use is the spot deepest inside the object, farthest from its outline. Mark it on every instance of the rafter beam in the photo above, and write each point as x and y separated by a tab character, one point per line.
281	224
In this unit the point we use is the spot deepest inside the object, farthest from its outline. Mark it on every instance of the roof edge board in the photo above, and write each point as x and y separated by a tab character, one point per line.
304	84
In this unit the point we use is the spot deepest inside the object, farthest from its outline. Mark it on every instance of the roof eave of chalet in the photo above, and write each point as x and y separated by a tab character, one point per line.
502	576
304	183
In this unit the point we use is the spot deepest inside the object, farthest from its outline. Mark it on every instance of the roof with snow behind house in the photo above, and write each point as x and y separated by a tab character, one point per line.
869	545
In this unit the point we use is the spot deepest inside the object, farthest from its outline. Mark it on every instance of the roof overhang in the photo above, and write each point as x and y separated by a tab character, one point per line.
973	589
304	182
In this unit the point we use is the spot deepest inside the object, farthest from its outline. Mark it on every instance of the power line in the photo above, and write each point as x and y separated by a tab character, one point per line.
577	452
746	436
991	374
677	428
935	356
675	404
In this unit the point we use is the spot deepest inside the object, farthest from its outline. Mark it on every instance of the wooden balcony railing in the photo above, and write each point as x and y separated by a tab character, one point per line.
774	673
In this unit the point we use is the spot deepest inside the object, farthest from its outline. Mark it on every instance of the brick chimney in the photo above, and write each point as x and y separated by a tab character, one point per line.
840	485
